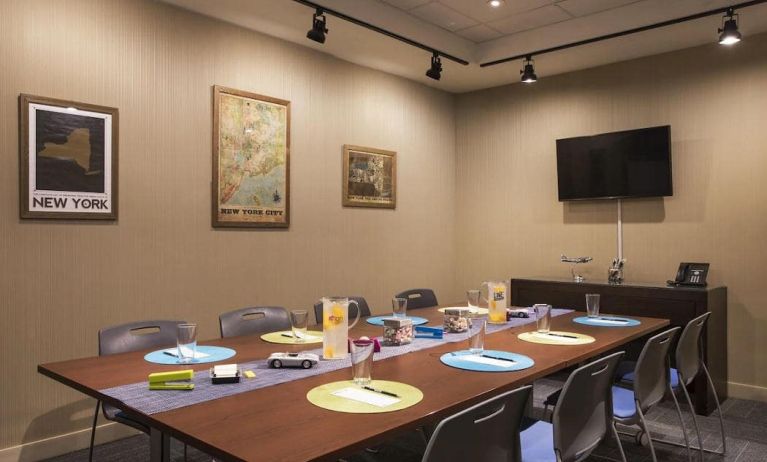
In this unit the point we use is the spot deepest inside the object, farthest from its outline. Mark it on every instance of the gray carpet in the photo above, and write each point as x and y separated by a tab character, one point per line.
745	424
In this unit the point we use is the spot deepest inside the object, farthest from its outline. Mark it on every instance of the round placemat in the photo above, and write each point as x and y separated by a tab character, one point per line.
379	320
472	311
286	337
322	396
214	353
462	360
555	339
607	321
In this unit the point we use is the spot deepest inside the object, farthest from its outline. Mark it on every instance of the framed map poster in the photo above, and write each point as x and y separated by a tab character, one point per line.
251	160
67	159
370	177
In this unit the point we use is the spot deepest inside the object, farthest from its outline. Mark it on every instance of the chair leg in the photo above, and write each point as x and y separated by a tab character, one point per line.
618	440
692	411
643	424
718	407
681	422
93	430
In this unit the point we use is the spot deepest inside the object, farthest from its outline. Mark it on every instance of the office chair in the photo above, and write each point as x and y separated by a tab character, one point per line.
363	304
254	320
419	298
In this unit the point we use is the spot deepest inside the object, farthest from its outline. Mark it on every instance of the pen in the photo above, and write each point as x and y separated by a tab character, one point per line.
287	335
499	358
170	354
612	319
560	335
383	392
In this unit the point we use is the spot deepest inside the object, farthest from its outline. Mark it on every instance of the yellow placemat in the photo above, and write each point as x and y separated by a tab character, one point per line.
278	337
473	311
323	397
555	339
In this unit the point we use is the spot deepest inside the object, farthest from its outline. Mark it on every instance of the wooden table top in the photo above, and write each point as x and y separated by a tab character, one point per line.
277	423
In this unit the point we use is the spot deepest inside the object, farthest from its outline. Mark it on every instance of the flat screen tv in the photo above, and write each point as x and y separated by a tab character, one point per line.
632	163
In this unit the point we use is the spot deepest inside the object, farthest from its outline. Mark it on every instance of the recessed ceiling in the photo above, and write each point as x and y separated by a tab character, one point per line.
473	30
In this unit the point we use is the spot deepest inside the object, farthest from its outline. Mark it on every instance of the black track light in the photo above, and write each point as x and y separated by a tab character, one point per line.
319	29
528	71
435	72
729	34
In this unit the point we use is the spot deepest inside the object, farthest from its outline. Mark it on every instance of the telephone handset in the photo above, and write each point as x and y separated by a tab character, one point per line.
691	274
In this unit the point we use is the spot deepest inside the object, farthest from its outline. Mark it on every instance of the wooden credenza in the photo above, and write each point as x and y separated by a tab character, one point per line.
679	304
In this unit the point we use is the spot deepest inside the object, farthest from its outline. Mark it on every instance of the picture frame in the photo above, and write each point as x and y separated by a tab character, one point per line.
369	177
251	160
68	159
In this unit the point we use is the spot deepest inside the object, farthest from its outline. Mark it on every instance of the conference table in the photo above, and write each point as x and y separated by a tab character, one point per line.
278	423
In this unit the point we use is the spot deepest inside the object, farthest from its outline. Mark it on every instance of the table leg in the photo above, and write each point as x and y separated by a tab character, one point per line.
159	446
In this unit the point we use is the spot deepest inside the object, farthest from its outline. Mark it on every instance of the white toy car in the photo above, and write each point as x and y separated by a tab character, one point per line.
305	360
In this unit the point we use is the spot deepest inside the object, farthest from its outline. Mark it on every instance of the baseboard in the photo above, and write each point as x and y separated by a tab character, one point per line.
62	444
745	391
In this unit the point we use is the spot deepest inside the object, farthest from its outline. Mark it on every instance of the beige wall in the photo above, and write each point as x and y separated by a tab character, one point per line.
510	224
61	282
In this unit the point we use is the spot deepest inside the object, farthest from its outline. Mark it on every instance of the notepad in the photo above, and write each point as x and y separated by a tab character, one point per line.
303	336
610	321
488	361
225	370
557	338
174	352
363	396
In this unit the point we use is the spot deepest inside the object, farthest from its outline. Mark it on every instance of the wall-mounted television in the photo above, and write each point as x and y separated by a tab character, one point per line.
631	163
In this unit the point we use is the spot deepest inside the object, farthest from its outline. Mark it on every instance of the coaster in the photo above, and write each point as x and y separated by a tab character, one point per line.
556	338
607	321
286	337
472	311
379	320
345	396
214	354
489	361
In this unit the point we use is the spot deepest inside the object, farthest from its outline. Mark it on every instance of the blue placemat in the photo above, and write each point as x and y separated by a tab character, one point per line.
378	320
463	360
607	321
214	354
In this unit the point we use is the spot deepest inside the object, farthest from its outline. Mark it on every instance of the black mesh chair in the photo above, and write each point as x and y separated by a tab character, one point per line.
486	432
125	338
363	304
582	417
418	298
254	320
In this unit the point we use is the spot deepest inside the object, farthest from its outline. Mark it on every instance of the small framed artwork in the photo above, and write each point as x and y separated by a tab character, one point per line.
369	177
251	160
68	159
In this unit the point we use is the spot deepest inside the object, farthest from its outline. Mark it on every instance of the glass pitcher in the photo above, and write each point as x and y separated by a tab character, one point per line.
335	326
496	301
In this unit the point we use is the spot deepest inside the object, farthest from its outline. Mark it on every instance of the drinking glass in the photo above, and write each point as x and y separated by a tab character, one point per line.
186	342
473	296
399	307
542	317
477	336
362	361
592	305
299	319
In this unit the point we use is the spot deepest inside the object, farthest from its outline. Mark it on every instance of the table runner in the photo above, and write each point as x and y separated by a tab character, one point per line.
139	397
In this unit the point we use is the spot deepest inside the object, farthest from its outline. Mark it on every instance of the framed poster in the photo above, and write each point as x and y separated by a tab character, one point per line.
67	159
251	160
369	177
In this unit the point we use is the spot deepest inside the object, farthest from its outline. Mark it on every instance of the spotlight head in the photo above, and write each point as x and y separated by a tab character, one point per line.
435	72
319	29
528	71
729	34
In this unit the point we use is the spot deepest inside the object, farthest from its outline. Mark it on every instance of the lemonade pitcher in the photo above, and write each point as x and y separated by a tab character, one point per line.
496	301
335	326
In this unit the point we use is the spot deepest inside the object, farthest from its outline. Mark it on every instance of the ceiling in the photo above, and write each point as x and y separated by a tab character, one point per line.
472	30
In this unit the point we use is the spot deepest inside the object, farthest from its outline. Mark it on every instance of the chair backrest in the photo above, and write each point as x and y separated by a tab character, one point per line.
651	374
486	432
364	309
419	298
136	336
254	320
688	352
584	411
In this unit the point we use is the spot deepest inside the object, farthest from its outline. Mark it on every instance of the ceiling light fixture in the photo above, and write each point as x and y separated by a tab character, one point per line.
435	72
495	3
319	27
528	71
729	34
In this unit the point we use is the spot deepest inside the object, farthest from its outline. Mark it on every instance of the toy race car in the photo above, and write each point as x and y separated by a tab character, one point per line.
280	360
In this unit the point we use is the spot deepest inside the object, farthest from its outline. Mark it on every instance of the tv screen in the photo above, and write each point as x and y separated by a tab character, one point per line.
632	163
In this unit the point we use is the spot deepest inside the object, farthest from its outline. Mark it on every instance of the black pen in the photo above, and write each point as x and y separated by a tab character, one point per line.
612	319
175	355
287	335
499	358
559	335
383	392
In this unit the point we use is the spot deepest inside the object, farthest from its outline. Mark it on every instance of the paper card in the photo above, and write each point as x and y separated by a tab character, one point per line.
174	352
225	370
557	338
610	321
369	397
305	336
488	361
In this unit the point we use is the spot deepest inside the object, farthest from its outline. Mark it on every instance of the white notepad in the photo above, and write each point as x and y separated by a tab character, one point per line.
369	397
488	361
174	352
225	370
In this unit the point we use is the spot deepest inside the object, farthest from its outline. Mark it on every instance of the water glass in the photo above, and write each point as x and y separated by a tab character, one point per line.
362	361
542	317
299	320
592	305
399	307
186	342
477	336
473	296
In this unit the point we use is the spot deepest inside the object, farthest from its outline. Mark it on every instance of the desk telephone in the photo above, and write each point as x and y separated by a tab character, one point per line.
691	274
